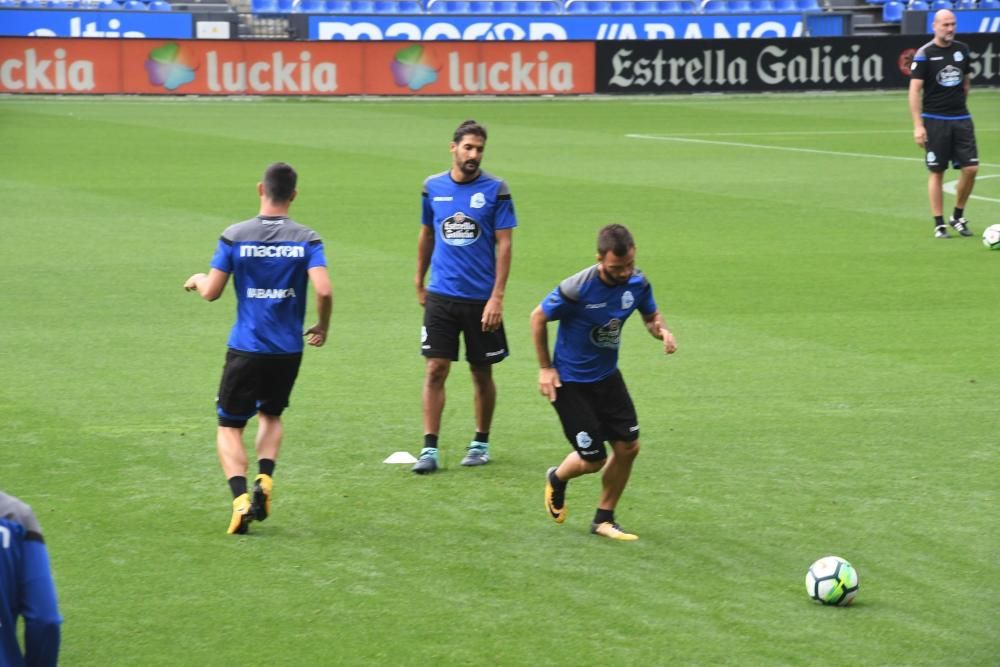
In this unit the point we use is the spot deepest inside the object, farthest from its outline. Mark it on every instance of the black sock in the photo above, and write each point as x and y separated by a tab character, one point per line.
431	440
604	516
939	221
266	467
554	479
238	485
482	437
959	212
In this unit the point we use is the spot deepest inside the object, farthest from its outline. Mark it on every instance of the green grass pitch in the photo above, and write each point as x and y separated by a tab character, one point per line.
835	392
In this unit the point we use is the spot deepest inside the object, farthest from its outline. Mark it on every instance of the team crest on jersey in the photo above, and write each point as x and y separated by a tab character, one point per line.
607	335
959	57
478	200
459	230
627	300
950	76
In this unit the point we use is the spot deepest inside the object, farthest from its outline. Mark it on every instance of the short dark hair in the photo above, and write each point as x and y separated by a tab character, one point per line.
469	127
279	182
616	238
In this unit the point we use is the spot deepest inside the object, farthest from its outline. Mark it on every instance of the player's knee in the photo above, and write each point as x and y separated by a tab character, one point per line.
628	450
437	371
970	169
482	375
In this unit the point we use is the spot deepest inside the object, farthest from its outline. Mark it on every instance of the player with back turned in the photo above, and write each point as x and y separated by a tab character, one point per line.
272	260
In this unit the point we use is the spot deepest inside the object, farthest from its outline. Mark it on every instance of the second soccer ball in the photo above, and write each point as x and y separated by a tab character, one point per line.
832	581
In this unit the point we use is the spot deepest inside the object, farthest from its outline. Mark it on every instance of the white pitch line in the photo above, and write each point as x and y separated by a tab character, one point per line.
803	133
951	186
790	149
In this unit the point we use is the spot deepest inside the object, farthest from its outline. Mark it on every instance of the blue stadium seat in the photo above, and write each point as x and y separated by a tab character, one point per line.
529	7
480	7
136	6
30	3
644	7
808	6
738	6
785	6
966	4
621	7
761	6
160	6
589	7
714	7
285	6
306	7
941	4
332	7
918	6
362	7
504	7
8	3
410	7
989	4
57	4
385	7
892	11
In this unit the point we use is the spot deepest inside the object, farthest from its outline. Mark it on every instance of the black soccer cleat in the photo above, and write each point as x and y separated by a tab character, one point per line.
961	226
941	232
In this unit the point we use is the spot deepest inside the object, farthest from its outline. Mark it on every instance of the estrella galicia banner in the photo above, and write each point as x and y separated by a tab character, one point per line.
735	65
539	28
72	23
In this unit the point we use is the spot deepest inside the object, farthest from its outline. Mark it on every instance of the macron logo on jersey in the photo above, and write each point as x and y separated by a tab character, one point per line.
264	293
272	251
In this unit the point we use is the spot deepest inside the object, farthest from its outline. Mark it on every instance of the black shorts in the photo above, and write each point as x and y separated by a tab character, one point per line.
255	382
445	318
950	141
595	412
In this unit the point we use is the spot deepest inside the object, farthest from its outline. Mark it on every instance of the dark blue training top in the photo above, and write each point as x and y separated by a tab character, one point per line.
269	259
591	315
465	218
26	589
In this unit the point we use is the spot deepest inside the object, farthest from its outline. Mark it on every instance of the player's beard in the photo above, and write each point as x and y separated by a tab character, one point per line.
470	167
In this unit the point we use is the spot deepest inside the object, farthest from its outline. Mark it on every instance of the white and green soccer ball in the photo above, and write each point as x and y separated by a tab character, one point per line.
991	237
832	581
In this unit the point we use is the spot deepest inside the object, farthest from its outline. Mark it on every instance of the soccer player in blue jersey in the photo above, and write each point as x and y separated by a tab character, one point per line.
582	379
940	79
26	589
465	242
272	260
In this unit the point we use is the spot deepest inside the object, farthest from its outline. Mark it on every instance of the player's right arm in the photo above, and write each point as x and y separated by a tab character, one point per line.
319	278
425	248
919	132
548	376
210	286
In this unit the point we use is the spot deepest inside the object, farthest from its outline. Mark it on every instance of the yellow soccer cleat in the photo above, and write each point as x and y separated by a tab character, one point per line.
555	499
240	522
260	509
612	531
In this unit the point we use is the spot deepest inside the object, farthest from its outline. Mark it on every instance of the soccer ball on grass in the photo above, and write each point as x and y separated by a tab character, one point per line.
991	237
832	581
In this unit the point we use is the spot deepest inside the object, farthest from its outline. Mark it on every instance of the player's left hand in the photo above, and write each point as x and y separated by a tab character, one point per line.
669	342
492	314
315	336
